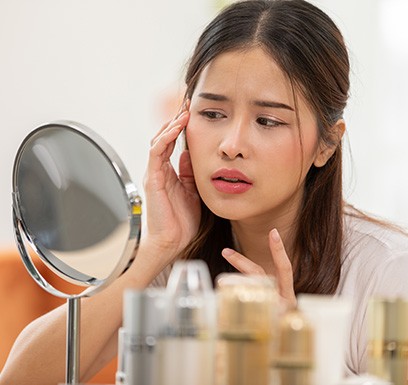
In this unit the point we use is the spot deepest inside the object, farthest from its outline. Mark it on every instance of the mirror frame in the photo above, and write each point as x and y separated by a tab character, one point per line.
22	234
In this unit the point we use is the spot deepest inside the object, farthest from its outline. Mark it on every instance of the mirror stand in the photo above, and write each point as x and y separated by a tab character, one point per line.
72	373
73	323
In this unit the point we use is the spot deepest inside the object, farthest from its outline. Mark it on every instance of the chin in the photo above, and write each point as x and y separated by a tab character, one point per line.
227	211
233	207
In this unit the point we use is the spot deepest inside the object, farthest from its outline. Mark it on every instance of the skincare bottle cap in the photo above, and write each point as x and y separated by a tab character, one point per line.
191	300
295	347
388	319
144	311
248	305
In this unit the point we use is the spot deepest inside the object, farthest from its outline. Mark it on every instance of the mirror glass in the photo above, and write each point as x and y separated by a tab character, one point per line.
75	204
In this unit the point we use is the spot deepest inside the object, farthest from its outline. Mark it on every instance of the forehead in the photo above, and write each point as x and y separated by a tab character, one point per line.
253	71
252	74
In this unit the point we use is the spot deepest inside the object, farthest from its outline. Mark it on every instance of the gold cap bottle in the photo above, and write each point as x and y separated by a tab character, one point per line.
388	339
293	360
247	314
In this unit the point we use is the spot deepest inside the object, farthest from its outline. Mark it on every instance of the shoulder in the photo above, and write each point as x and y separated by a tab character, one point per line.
364	238
375	255
375	263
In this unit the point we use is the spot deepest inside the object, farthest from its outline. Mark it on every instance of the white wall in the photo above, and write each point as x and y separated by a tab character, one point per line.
109	64
113	64
376	32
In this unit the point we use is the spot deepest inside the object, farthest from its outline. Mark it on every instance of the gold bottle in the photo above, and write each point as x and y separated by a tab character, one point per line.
247	314
388	339
293	360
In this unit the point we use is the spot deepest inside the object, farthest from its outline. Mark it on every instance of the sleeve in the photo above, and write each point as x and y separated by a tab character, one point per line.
392	278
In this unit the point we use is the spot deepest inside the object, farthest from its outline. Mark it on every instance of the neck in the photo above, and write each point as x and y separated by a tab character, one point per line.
252	238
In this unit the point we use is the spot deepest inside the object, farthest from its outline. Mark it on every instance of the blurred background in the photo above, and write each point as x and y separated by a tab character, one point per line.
117	66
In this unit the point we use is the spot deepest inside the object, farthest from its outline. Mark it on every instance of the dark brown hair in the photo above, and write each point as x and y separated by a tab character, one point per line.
310	49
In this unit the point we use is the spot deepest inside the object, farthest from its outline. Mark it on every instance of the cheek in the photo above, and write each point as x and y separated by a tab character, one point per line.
191	136
286	149
195	142
198	135
282	161
299	153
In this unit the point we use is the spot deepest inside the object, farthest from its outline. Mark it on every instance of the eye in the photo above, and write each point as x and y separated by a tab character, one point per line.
268	122
212	115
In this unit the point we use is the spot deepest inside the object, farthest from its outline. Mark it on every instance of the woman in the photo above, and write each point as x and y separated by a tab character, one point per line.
259	189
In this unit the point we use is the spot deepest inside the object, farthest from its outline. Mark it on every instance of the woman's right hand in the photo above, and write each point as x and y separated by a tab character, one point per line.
172	201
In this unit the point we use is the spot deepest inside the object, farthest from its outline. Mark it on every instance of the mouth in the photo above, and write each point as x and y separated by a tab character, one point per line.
231	181
231	176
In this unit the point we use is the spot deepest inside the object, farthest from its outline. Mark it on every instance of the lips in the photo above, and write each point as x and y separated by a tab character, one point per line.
231	181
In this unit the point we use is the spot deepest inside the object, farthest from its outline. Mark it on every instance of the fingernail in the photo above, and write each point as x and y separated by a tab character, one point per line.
227	252
275	235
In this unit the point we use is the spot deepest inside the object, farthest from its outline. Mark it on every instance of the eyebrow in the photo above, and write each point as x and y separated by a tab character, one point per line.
211	96
270	104
260	103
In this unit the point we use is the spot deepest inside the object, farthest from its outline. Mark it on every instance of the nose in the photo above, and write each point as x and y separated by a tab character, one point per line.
235	141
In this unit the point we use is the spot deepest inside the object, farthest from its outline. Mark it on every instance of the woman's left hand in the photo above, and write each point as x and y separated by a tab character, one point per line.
282	266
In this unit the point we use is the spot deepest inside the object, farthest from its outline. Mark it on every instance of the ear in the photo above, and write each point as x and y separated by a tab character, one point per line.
326	150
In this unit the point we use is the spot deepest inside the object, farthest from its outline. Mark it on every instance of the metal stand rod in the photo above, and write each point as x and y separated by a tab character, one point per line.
73	327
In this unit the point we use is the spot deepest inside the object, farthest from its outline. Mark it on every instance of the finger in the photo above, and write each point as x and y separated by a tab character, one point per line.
184	108
163	148
283	266
163	127
181	119
241	263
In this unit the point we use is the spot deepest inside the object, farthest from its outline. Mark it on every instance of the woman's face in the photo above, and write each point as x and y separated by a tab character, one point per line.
244	140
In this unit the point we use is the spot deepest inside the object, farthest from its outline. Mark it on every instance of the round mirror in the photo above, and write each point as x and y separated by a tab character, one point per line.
75	205
77	209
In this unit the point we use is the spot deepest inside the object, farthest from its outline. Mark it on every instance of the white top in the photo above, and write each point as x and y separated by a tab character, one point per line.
375	263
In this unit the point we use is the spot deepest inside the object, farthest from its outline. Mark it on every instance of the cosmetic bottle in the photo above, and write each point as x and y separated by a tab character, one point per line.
293	358
388	339
186	344
330	318
248	308
142	319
